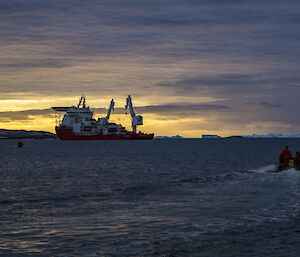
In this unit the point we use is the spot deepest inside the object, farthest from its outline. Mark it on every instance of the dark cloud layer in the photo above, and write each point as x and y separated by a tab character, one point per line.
171	109
25	115
267	90
224	27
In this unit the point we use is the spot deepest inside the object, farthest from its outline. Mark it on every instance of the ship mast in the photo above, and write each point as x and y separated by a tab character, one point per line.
135	119
82	101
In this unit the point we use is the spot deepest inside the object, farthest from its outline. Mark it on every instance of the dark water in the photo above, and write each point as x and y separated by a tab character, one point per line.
148	198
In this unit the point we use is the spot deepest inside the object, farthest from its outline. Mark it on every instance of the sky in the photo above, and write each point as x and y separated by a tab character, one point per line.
192	67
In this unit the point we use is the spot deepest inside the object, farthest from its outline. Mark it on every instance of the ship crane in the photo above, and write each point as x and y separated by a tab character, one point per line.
105	119
111	107
135	119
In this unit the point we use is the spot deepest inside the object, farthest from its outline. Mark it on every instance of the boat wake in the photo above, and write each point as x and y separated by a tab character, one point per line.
271	168
268	168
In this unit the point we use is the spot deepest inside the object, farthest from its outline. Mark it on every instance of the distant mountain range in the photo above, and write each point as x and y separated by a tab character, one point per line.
16	134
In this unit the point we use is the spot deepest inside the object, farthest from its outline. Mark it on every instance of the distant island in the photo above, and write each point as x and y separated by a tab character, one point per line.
19	134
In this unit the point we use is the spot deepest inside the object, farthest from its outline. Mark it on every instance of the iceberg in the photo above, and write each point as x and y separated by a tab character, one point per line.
274	135
296	135
210	136
166	137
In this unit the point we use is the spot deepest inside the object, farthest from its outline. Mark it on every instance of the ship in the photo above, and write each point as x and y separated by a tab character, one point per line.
78	123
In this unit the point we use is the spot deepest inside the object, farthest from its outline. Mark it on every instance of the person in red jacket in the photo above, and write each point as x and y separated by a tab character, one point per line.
285	156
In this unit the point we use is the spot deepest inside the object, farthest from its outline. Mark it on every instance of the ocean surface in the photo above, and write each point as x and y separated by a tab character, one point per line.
148	198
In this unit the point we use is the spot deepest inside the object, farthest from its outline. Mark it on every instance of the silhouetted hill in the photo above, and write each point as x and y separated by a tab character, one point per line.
14	134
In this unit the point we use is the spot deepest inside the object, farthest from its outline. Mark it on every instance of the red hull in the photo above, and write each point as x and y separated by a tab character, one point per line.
66	134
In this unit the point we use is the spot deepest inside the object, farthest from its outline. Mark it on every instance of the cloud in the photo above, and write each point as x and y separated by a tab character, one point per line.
35	63
238	89
25	115
154	109
269	105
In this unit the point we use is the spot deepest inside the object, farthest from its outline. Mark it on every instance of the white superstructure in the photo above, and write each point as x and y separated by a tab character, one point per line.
80	120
